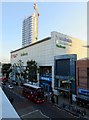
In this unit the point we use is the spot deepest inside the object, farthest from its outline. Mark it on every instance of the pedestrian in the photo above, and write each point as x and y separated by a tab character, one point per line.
46	96
52	98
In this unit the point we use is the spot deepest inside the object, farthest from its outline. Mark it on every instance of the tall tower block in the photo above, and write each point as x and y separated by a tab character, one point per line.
30	28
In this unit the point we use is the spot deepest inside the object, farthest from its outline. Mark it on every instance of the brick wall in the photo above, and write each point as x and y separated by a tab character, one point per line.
82	74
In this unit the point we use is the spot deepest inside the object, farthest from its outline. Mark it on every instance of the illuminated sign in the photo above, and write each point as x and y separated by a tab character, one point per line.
46	78
23	54
83	91
62	42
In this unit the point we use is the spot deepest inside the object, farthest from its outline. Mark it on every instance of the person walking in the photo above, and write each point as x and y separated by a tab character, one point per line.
46	96
52	98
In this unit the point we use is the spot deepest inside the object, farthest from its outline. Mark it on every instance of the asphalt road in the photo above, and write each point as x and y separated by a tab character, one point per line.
28	110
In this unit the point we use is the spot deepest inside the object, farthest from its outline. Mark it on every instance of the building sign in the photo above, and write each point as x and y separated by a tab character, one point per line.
14	55
61	77
62	42
46	78
83	91
23	54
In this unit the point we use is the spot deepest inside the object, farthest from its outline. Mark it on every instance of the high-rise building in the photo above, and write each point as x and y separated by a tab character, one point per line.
30	28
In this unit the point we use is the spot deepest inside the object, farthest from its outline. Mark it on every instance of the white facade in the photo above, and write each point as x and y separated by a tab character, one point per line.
43	51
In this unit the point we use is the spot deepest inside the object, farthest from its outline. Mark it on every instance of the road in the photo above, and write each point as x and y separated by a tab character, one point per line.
27	109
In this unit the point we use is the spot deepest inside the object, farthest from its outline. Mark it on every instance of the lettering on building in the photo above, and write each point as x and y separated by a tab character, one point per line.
62	42
83	91
23	54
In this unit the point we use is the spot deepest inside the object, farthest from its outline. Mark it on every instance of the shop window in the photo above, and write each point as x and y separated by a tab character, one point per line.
64	84
46	71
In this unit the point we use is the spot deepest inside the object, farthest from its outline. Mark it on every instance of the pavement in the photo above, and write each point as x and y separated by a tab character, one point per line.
30	110
71	108
61	101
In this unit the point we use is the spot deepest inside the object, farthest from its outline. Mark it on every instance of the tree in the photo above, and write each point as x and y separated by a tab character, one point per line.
6	69
32	70
18	70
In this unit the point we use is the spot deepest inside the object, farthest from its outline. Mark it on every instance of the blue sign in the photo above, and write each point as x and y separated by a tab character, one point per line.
83	91
46	78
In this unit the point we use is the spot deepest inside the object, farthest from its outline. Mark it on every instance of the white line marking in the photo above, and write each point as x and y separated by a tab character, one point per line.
29	113
44	115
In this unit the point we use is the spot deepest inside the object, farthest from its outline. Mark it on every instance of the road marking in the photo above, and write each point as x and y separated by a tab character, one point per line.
43	114
29	113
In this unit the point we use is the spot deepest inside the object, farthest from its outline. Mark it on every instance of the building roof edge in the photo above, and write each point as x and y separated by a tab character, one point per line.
45	39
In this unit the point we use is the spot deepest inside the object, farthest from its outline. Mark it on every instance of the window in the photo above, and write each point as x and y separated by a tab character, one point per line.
63	67
46	71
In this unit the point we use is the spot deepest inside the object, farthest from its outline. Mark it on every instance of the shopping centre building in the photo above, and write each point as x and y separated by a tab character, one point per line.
56	56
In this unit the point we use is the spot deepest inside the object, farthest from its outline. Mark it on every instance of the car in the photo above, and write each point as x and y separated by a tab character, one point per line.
3	79
10	86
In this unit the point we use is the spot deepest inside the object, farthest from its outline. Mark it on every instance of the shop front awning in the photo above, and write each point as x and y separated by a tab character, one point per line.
62	89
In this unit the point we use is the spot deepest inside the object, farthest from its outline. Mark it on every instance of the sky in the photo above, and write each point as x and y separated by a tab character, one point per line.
69	18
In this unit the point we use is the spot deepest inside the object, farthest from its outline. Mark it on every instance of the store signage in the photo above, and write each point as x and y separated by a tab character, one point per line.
14	55
46	78
83	91
23	54
61	77
62	42
65	39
